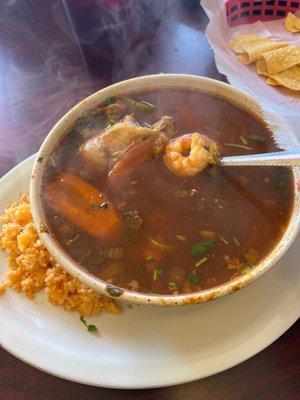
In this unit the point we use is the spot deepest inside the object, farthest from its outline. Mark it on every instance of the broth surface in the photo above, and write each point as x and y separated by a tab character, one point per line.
189	233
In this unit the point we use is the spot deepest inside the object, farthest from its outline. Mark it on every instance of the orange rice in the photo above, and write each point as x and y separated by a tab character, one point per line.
32	269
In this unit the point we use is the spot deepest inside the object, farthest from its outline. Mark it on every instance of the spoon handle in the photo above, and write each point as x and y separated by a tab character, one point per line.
280	158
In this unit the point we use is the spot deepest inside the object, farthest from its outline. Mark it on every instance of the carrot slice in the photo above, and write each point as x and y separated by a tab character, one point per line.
84	206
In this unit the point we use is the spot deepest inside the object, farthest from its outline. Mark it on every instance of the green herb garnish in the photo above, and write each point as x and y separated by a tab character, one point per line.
91	328
258	138
157	273
202	247
97	207
201	261
193	278
108	101
43	228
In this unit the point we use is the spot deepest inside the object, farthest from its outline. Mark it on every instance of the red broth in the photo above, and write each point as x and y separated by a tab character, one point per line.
183	234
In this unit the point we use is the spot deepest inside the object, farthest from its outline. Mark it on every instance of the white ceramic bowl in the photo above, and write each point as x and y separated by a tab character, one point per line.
210	86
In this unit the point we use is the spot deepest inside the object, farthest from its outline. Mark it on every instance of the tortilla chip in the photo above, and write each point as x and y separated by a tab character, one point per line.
278	60
253	51
297	22
243	58
292	23
261	67
290	78
236	43
271	81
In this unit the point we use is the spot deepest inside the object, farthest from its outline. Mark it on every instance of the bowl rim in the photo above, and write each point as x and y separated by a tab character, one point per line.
61	128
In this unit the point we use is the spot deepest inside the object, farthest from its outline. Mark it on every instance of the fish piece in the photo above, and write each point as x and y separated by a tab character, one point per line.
165	125
107	148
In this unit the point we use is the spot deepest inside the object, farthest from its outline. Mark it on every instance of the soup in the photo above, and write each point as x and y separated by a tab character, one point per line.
124	198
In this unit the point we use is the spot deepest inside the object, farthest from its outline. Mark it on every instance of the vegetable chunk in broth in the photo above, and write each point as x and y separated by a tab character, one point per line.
127	196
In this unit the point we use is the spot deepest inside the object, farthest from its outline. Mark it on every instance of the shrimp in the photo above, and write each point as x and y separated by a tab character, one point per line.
202	152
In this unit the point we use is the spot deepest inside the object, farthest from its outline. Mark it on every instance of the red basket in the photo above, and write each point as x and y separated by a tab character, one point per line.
240	12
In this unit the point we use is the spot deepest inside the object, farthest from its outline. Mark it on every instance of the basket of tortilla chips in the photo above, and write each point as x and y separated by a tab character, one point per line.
279	62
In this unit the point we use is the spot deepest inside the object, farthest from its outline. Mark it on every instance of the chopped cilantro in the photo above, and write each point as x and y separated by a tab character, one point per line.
91	328
108	101
202	247
193	278
43	228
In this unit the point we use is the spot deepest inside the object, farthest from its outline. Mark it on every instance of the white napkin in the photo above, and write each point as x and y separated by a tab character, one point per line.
276	101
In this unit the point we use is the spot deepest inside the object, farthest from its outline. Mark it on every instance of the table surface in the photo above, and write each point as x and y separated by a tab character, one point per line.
43	73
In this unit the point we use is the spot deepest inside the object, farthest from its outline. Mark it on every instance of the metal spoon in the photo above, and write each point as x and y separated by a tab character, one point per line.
290	158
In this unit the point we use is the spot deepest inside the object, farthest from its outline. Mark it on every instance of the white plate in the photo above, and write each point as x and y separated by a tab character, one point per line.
147	346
